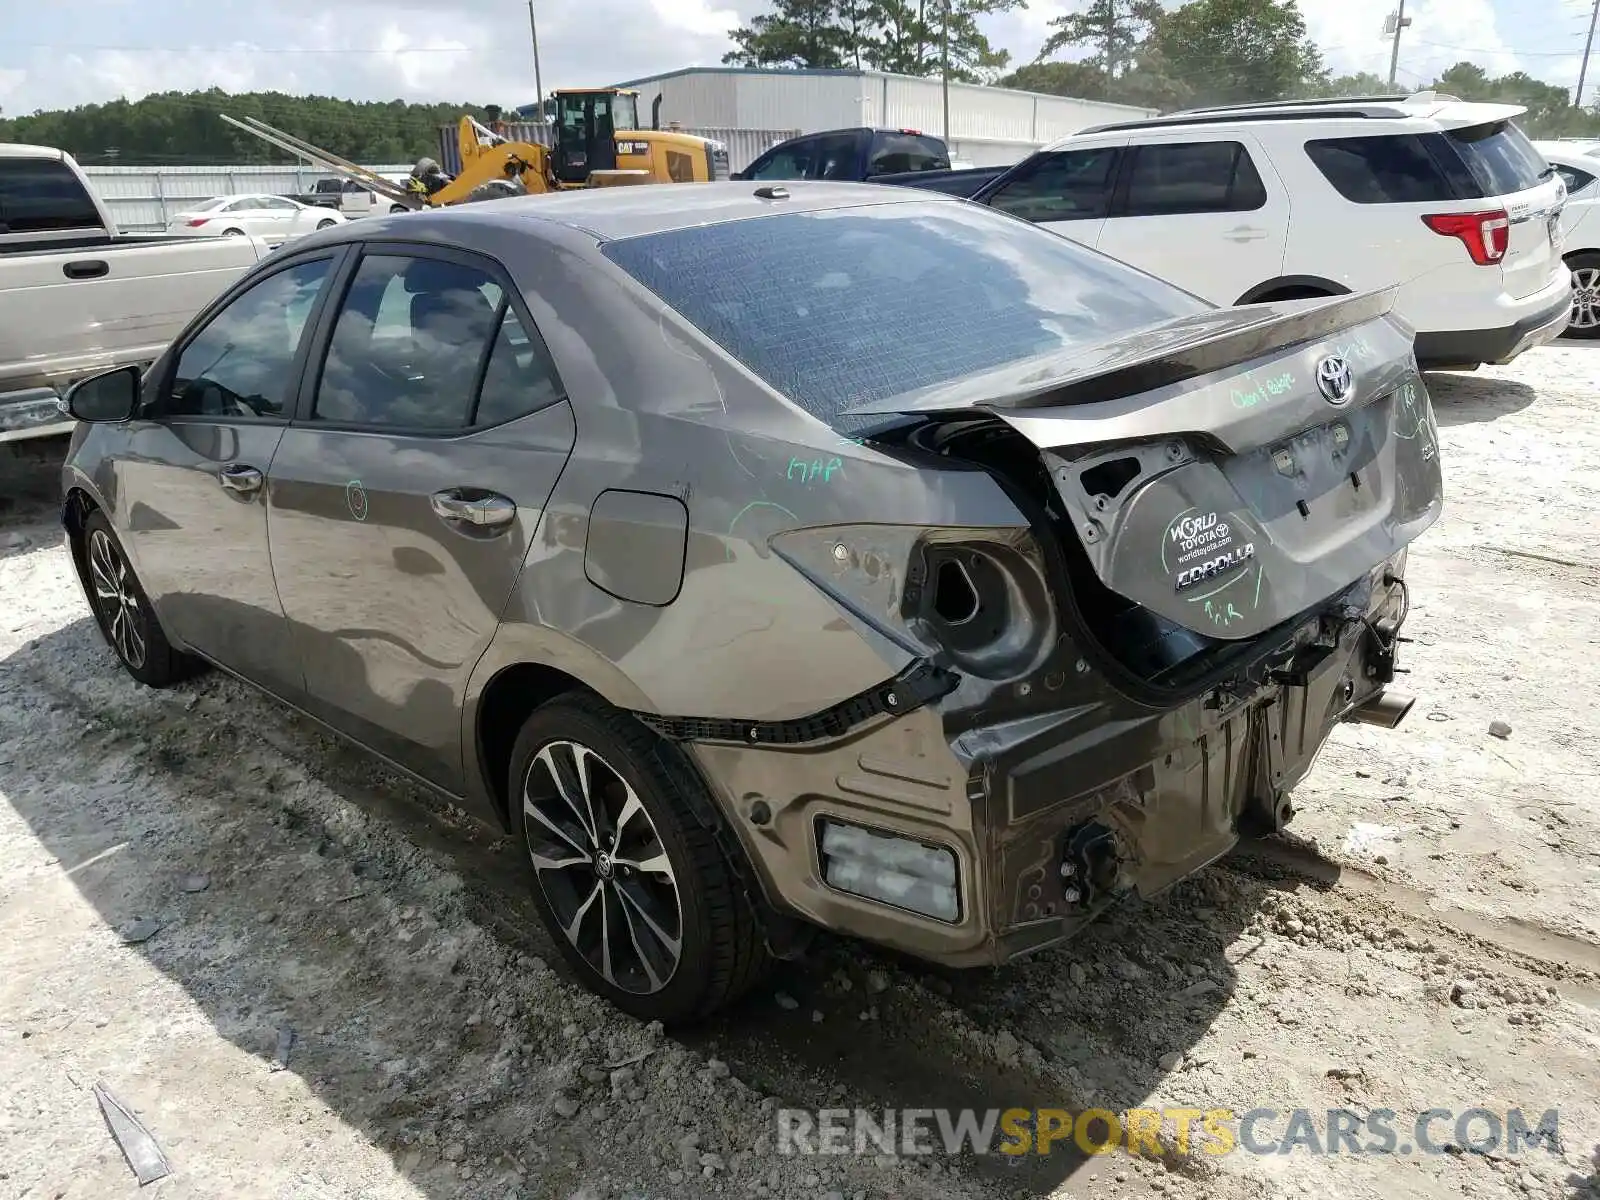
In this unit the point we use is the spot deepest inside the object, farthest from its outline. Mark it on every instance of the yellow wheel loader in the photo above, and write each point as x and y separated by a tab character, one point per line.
595	142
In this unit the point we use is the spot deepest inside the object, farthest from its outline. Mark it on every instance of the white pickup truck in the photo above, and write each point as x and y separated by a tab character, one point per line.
77	296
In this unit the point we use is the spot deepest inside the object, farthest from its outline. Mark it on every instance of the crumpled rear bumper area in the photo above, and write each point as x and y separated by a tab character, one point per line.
1041	823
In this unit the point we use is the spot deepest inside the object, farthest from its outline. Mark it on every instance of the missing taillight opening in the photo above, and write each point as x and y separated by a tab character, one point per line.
1486	235
955	599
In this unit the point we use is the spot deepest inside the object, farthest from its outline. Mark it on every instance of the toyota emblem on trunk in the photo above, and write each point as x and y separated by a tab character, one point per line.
1334	380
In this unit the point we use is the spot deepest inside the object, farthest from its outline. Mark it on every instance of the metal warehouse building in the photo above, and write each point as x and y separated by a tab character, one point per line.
988	126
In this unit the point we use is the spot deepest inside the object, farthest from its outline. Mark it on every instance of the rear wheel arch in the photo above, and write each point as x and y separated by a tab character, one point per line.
75	512
508	700
1293	287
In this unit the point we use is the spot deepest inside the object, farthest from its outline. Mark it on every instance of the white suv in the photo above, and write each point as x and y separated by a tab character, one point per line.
1288	200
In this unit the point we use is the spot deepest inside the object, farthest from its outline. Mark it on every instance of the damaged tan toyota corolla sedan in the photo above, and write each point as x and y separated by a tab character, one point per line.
766	558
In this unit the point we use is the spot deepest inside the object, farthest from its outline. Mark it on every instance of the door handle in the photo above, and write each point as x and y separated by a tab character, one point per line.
85	268
1245	233
483	509
241	479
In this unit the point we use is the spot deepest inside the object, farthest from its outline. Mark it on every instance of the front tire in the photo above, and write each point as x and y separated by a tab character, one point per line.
321	225
1584	323
635	891
123	611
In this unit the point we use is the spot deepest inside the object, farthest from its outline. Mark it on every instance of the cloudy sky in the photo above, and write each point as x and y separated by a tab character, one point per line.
57	53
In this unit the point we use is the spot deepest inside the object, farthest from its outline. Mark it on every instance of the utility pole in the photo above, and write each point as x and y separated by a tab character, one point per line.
1400	22
944	67
538	84
1583	71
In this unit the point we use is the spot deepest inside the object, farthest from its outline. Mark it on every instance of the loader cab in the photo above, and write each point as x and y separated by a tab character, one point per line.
587	123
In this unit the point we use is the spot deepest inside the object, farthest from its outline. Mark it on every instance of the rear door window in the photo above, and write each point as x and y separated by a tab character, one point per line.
1386	169
893	153
42	195
1191	177
836	157
1067	185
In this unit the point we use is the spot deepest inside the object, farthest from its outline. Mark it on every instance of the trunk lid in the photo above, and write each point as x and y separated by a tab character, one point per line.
1230	469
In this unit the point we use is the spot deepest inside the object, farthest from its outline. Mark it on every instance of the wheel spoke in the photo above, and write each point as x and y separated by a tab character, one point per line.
571	927
656	864
103	587
530	809
630	808
667	942
586	789
135	638
579	807
644	955
605	936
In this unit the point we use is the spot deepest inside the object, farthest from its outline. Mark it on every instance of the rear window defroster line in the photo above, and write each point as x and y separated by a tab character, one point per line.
919	684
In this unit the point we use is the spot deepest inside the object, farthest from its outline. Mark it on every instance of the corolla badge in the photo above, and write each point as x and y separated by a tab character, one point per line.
1334	380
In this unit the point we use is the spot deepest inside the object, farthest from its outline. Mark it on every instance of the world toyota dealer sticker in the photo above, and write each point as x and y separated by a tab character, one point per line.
1202	546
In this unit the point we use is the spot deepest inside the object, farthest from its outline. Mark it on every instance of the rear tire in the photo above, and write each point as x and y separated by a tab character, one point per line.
321	225
1584	322
233	233
123	611
635	891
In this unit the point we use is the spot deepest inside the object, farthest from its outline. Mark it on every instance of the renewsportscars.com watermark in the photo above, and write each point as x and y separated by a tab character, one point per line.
1161	1131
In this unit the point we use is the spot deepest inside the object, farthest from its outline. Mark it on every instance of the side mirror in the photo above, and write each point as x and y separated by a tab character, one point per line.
110	396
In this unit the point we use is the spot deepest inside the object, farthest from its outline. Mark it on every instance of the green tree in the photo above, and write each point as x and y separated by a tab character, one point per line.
904	37
1114	28
185	127
1362	83
1236	51
797	33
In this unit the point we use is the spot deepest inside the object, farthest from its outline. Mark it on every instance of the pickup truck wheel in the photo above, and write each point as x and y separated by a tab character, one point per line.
124	613
1585	320
635	891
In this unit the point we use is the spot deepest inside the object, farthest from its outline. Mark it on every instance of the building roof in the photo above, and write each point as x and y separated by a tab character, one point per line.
846	72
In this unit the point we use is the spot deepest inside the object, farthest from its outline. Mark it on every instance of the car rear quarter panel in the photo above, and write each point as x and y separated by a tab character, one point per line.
662	412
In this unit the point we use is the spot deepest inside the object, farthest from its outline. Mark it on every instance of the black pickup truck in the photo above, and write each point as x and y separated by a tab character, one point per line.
962	182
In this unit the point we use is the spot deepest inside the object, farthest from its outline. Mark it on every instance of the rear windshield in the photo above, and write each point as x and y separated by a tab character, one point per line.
43	195
893	153
1500	157
1474	163
840	308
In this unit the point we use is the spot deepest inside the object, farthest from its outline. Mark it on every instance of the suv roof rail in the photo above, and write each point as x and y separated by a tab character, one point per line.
1321	101
1324	108
1230	116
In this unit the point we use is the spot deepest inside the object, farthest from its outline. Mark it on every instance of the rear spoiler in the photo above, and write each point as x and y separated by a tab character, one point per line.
1147	358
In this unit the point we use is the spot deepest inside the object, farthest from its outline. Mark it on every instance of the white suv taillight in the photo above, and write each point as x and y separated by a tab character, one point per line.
1485	234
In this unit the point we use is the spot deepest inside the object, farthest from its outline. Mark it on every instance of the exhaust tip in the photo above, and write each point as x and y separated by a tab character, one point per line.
1387	709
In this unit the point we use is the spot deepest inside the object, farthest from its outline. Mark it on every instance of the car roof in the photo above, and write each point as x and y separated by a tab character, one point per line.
23	150
609	214
1437	107
1585	154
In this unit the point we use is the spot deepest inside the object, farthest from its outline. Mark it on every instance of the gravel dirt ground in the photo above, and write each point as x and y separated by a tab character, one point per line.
310	979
